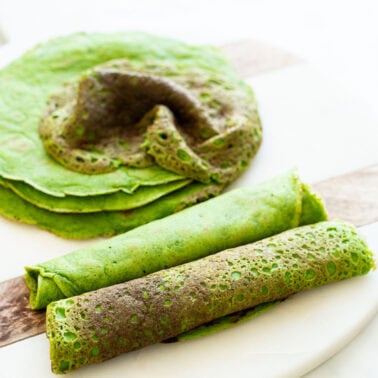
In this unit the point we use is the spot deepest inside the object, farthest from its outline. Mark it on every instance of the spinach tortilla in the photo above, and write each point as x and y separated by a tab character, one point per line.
119	200
96	326
109	123
103	223
212	124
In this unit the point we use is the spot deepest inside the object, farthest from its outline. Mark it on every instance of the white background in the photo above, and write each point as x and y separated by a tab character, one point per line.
340	38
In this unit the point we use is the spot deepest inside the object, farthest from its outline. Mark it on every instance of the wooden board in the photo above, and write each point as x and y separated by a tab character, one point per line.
251	57
17	320
352	197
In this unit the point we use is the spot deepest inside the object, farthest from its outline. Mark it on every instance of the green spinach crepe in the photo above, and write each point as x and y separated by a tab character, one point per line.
104	223
115	201
238	217
125	117
102	324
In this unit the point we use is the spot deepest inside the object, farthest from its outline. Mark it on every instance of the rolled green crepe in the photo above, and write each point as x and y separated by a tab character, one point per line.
225	322
238	217
99	325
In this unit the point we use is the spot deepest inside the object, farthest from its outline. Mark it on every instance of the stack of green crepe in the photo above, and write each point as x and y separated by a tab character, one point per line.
100	133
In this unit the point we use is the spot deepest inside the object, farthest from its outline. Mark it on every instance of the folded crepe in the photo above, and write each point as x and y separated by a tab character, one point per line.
99	325
92	123
237	217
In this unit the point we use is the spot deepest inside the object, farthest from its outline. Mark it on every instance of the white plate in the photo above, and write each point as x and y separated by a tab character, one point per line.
308	123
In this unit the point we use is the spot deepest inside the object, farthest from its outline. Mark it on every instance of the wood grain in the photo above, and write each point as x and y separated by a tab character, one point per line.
251	57
17	320
352	197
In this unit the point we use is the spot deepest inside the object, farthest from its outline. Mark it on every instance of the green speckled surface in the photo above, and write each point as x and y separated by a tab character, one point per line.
99	325
225	322
193	121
